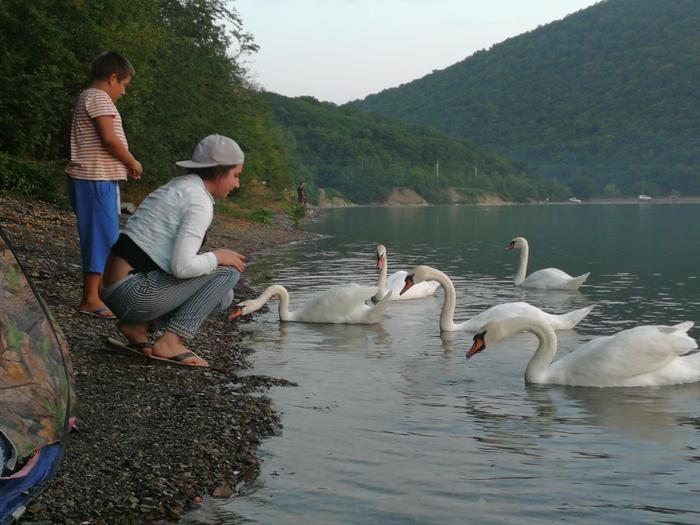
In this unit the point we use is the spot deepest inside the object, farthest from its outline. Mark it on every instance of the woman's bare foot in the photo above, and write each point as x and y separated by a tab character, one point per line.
134	332
170	345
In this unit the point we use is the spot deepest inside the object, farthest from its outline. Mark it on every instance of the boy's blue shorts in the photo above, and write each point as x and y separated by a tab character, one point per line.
96	205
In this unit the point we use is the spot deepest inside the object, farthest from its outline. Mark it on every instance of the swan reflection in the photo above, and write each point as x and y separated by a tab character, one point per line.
519	423
332	337
555	299
650	414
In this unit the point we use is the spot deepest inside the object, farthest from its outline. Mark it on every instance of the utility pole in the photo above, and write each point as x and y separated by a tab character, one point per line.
437	168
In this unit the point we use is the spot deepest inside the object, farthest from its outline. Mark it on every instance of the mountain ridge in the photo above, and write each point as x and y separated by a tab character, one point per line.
608	93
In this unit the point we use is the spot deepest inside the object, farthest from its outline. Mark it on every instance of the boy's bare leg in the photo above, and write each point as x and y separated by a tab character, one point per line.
91	301
169	345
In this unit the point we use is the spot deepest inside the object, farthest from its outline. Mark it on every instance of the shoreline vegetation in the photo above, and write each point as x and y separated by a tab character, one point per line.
406	197
152	442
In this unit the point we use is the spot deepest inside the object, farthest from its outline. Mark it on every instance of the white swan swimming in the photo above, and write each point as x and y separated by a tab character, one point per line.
342	304
549	278
395	282
641	356
557	322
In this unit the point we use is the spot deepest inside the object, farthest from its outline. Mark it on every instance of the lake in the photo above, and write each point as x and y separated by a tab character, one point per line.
389	424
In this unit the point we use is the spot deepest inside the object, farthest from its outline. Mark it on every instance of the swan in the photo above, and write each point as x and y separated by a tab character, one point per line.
641	356
549	278
500	311
396	281
342	304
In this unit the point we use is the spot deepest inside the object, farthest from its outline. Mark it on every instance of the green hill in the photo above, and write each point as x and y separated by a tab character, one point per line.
186	86
363	156
608	96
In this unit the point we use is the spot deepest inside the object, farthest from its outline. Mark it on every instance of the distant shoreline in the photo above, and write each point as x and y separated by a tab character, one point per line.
596	200
655	200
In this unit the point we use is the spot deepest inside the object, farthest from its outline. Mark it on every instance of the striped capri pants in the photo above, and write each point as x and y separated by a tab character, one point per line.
180	305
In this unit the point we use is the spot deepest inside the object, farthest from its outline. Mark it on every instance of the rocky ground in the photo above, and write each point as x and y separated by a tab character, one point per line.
152	441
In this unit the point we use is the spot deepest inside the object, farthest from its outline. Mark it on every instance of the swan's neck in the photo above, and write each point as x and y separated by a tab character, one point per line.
447	315
522	267
539	364
381	281
281	292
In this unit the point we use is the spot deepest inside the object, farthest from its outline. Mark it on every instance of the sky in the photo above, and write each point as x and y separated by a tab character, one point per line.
342	50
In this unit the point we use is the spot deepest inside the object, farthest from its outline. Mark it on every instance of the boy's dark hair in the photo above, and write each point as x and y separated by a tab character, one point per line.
210	173
108	63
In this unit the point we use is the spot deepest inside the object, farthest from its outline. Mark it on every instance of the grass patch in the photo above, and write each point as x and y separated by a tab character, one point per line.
261	215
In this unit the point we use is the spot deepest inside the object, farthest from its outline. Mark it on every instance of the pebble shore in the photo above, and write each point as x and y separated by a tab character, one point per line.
153	442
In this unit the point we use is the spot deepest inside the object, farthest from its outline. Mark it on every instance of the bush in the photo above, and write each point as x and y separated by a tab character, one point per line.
260	215
25	178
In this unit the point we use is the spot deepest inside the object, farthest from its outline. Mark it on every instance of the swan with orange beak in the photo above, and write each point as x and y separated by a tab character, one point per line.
501	311
395	281
342	304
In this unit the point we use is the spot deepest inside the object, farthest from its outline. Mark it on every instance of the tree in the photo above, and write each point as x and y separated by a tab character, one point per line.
582	186
610	190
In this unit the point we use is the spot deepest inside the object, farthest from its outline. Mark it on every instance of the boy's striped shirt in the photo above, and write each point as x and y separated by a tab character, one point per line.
89	158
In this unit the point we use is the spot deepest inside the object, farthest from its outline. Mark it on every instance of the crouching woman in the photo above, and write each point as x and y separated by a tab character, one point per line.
155	272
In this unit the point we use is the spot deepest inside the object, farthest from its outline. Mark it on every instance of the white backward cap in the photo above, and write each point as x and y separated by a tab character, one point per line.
214	150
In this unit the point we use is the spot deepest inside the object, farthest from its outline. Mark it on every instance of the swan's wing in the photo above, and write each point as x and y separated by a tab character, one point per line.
552	278
335	304
350	293
568	320
396	281
500	312
614	359
373	314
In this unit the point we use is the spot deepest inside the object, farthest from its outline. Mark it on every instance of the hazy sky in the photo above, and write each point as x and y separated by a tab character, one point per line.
340	50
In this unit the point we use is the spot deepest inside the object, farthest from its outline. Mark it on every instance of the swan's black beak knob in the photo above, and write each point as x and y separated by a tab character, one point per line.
478	346
407	283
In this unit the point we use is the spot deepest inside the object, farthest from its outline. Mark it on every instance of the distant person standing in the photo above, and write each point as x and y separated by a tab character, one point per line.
301	193
100	158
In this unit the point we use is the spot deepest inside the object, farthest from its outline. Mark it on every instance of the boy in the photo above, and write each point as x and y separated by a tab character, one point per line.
100	158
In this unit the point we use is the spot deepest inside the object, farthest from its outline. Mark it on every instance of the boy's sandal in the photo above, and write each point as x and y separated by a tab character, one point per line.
100	313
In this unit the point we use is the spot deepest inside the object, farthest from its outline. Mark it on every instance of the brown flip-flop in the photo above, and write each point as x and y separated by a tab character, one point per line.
139	348
98	313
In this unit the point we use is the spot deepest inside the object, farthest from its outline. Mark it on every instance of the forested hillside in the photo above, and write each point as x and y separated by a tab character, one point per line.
606	99
187	85
363	156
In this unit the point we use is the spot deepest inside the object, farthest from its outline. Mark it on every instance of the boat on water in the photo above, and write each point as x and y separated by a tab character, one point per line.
643	197
575	200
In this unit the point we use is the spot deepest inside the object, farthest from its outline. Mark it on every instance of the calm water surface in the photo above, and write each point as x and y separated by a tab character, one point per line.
391	425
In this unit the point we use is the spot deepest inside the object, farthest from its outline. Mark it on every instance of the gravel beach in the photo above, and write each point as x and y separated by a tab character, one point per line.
152	441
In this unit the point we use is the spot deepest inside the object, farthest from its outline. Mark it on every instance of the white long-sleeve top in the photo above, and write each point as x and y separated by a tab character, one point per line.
170	225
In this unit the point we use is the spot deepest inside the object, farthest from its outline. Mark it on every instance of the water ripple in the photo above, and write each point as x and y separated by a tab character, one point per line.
390	424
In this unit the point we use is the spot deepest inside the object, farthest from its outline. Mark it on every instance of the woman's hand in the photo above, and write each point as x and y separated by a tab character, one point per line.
226	257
